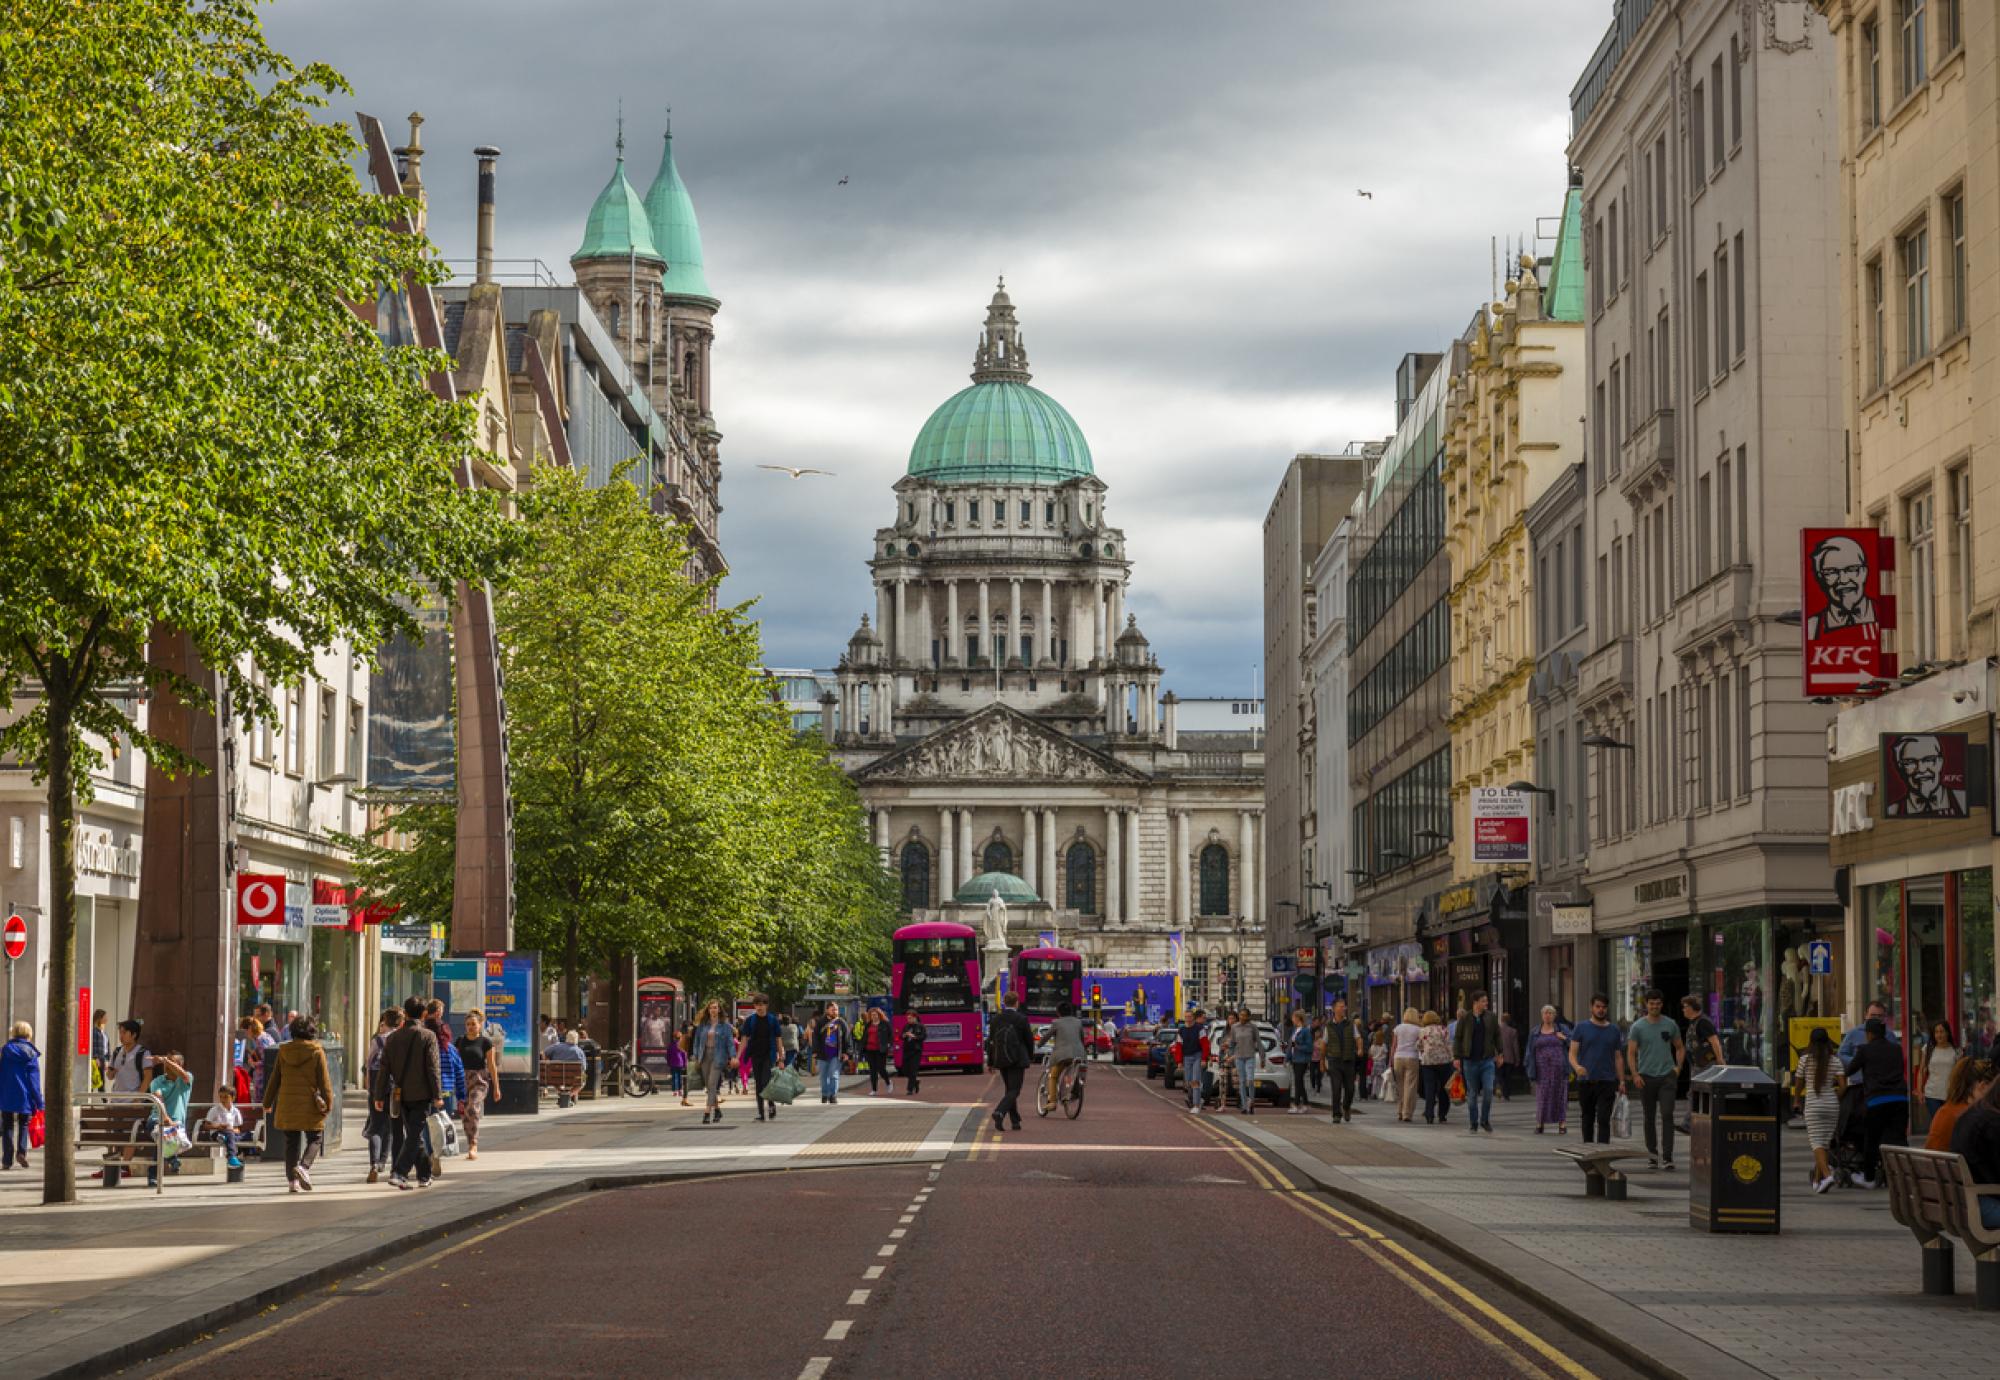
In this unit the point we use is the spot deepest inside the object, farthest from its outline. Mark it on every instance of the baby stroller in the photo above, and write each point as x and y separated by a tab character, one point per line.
1844	1155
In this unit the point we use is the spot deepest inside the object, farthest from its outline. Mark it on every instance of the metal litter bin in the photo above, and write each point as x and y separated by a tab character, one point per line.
1733	1168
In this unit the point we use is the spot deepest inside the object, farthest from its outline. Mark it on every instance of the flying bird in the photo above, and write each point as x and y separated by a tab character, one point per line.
842	182
796	473
1369	195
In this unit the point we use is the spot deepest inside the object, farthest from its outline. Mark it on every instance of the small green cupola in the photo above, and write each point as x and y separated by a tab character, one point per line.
670	215
617	227
1005	885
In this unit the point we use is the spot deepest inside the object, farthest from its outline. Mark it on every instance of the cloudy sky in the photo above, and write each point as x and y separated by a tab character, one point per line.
1169	187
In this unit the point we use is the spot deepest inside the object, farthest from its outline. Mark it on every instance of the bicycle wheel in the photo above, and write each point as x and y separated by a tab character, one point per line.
638	1082
1072	1093
1041	1092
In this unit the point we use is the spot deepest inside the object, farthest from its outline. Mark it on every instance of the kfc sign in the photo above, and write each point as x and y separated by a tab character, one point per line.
1924	776
1847	608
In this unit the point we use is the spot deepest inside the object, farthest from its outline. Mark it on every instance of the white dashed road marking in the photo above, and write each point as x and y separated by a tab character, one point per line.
886	1250
872	1272
838	1332
858	1297
815	1368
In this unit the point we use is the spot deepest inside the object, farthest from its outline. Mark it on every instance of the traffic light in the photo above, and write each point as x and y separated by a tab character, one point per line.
1096	994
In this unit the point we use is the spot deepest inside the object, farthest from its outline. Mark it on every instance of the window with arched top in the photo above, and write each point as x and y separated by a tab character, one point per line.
1080	891
998	857
916	876
1215	880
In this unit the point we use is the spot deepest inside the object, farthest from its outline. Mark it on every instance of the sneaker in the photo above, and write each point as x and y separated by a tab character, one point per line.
423	1183
1860	1180
235	1163
1823	1185
305	1179
760	1116
398	1181
1652	1161
295	1186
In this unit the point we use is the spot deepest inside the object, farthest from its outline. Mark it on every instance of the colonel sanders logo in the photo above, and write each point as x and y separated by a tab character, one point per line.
1840	567
1925	776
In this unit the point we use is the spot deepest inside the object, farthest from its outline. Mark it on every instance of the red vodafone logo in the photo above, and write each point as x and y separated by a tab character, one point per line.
17	937
260	899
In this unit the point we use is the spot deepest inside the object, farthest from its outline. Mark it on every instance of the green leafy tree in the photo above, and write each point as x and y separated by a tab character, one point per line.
663	807
197	431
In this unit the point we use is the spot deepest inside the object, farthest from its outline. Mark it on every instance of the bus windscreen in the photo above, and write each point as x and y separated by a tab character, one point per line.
935	976
1046	983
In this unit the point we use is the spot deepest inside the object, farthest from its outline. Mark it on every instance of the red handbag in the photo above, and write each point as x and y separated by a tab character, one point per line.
38	1130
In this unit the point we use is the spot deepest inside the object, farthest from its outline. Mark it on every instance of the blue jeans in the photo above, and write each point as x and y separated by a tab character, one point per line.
1191	1075
1478	1090
829	1076
1246	1081
14	1129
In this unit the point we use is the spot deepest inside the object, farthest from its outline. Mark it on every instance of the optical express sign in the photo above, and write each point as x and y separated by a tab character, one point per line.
1916	791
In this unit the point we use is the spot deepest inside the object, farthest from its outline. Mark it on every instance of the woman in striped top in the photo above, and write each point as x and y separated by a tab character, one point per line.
1819	1081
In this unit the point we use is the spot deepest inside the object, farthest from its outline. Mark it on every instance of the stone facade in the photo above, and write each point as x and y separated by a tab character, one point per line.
1000	711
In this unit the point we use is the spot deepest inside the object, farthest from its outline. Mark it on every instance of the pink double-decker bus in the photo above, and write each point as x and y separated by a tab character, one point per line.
934	978
1046	978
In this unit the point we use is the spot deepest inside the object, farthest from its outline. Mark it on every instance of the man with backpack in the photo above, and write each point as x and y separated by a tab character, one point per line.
1013	1042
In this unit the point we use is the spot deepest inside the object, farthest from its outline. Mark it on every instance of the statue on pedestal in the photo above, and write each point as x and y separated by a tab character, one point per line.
996	922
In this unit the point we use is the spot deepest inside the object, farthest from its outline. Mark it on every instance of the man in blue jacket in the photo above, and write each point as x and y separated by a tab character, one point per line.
764	1044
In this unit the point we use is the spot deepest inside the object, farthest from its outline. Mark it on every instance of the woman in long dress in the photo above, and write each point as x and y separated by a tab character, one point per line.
1548	1064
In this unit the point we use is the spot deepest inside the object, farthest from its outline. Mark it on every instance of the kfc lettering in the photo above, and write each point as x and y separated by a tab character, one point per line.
1846	608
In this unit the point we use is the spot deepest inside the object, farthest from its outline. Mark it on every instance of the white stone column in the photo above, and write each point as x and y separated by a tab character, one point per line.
951	628
1135	820
885	705
1246	852
1114	825
967	864
1100	609
883	601
882	835
928	631
1114	705
1114	611
1049	854
1013	620
985	621
1183	871
946	860
1048	620
1030	853
899	646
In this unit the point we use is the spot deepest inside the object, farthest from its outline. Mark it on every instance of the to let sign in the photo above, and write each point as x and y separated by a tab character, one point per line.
17	937
1500	821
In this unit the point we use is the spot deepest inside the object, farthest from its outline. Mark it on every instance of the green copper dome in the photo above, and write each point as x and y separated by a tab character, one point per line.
1000	430
670	213
1005	885
617	227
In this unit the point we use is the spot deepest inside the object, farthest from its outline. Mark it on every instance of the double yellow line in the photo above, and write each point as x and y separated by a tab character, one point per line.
1487	1324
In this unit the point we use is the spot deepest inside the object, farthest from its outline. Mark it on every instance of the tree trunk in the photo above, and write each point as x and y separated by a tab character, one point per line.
572	984
59	1038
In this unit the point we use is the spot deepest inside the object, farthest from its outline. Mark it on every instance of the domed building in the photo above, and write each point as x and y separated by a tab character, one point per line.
1002	713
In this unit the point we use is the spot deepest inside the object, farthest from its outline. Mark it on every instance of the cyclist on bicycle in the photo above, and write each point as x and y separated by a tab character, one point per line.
1065	1044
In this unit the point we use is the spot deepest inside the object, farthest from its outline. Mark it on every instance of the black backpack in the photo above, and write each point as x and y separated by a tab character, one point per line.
1008	1051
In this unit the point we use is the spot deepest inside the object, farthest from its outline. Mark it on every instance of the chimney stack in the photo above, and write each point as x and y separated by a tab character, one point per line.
410	169
487	156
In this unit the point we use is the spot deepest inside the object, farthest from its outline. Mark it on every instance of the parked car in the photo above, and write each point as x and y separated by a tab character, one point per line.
1133	1043
1273	1072
1159	1052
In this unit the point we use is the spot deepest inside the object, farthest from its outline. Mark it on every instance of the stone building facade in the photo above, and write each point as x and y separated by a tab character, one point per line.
1711	173
1000	712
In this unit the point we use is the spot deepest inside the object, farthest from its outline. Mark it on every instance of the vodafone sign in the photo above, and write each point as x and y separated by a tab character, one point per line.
260	898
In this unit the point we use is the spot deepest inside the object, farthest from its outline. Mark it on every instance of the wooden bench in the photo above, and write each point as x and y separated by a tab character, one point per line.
1932	1193
112	1127
563	1078
1602	1178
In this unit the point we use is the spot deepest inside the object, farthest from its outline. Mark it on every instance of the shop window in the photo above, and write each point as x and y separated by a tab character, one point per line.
916	877
1080	890
1978	981
1882	907
1739	985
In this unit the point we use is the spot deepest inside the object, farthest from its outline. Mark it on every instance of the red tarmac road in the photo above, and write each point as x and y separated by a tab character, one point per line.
1134	1241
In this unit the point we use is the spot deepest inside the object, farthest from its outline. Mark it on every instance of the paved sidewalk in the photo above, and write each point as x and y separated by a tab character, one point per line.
1837	1293
126	1272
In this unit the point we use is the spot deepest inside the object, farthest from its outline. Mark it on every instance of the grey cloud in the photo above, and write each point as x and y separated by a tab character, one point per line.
1168	185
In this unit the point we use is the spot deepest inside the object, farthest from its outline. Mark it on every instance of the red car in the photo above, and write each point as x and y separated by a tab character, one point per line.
1134	1042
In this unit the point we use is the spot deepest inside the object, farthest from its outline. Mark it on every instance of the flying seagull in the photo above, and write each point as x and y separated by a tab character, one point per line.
1369	195
796	473
842	182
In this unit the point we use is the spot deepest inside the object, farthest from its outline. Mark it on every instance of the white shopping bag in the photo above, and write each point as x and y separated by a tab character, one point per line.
1621	1117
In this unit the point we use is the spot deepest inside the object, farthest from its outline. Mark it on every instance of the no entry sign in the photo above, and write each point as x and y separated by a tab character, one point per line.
17	937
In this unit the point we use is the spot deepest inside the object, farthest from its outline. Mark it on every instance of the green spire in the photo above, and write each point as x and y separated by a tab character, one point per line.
670	212
1563	295
617	227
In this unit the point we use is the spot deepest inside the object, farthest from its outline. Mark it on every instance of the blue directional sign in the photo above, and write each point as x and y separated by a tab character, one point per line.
1819	957
1283	965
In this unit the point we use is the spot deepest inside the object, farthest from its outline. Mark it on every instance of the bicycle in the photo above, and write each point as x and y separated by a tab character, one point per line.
1069	1089
634	1080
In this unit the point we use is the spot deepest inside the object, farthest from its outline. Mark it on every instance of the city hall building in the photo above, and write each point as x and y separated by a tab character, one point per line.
1001	712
